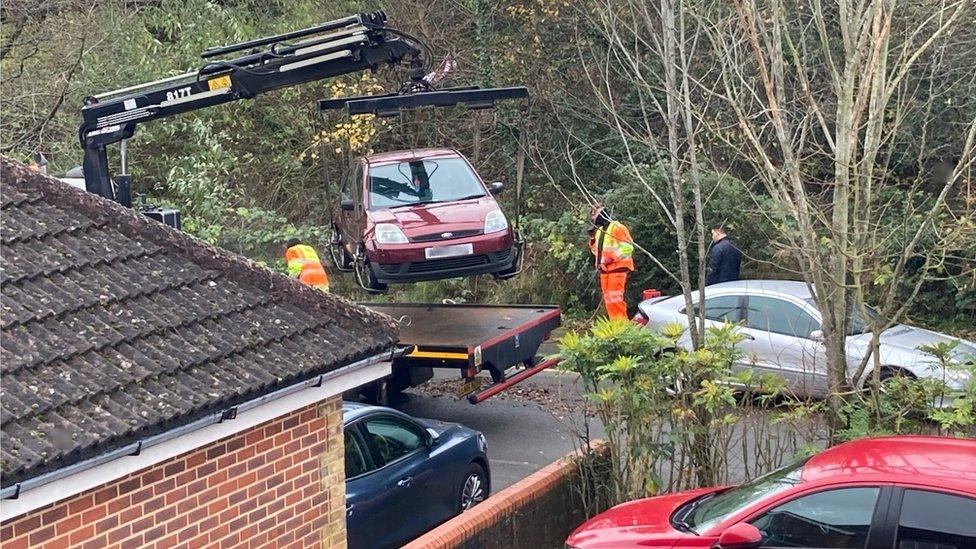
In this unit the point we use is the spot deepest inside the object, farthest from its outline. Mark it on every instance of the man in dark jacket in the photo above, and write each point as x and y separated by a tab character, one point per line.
724	259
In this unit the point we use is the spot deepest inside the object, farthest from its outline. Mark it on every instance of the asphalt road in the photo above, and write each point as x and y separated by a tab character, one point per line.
527	427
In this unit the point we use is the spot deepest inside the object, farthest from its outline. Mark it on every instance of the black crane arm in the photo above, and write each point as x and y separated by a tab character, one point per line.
348	45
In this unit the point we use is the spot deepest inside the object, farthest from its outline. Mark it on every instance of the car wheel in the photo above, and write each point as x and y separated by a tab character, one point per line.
474	487
366	278
340	258
887	374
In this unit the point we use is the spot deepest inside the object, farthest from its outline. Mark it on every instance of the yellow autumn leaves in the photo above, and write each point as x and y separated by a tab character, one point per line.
353	135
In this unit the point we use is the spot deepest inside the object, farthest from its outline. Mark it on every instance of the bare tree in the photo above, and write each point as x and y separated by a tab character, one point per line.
818	97
641	76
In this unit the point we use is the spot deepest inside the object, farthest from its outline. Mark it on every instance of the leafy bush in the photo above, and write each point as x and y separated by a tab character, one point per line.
671	416
908	405
677	419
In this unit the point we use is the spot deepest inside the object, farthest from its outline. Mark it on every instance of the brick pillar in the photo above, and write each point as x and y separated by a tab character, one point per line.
334	474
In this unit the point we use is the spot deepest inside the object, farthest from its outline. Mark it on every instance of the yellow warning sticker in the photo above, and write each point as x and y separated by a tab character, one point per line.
219	82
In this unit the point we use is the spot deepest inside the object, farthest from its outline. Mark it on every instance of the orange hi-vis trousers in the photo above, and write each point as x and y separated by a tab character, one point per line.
613	285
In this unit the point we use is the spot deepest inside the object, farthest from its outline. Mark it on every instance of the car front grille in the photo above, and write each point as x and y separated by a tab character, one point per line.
434	237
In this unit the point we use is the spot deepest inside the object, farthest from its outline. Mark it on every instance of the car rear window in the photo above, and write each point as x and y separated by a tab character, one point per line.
422	182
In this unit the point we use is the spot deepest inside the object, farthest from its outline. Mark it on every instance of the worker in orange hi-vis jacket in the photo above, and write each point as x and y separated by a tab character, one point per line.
304	264
613	250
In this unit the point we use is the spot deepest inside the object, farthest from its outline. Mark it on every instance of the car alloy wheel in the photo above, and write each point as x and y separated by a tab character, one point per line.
473	490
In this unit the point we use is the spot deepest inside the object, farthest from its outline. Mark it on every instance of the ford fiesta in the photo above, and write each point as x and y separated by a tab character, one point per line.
416	215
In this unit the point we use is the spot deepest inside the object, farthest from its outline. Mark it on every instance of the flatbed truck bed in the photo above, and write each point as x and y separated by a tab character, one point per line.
469	338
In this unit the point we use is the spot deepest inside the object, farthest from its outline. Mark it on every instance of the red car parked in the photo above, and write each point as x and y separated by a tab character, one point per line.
423	214
908	492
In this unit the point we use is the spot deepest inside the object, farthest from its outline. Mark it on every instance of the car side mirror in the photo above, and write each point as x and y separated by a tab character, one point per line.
434	436
347	204
817	335
496	187
741	535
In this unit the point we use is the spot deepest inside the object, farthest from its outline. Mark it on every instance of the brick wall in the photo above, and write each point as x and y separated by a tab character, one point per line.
279	484
540	510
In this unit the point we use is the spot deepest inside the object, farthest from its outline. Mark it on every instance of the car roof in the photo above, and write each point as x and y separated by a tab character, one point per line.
409	154
903	456
795	288
355	410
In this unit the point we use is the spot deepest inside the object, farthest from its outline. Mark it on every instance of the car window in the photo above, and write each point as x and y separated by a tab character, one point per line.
390	438
422	181
779	316
936	521
356	462
835	519
724	308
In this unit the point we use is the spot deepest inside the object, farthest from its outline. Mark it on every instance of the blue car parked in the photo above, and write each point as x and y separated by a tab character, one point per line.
405	476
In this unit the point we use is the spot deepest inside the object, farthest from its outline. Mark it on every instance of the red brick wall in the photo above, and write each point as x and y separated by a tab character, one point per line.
262	487
540	510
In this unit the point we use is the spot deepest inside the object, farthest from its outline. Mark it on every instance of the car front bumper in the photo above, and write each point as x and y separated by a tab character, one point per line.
437	269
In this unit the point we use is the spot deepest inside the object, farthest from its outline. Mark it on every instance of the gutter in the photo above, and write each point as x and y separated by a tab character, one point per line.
12	494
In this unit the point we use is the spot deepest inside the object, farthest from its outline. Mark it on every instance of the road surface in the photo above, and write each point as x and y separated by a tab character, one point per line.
527	427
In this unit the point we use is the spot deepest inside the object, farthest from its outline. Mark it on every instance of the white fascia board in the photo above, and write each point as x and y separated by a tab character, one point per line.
82	481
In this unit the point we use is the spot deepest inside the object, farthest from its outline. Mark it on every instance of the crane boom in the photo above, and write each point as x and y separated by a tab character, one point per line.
348	45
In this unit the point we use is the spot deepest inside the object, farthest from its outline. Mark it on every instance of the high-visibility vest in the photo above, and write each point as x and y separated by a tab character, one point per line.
617	249
304	264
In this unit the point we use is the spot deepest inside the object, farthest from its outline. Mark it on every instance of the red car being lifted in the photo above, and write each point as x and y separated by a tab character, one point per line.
424	214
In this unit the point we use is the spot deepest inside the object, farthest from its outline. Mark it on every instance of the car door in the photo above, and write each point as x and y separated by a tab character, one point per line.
399	447
358	215
346	217
779	342
365	492
933	519
839	518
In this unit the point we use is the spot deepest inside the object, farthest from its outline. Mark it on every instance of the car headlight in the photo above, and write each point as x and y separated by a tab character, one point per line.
483	441
495	221
388	233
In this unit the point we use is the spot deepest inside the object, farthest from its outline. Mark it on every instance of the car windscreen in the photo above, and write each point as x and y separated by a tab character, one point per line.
704	513
422	182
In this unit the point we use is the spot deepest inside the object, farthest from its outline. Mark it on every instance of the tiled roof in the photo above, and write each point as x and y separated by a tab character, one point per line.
116	327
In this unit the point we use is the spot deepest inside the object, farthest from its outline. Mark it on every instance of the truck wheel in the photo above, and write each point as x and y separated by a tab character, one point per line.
474	487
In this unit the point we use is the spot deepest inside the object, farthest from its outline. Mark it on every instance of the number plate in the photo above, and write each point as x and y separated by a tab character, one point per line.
469	386
439	252
219	82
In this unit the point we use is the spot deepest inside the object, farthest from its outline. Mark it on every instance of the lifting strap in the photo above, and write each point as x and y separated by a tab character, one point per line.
519	172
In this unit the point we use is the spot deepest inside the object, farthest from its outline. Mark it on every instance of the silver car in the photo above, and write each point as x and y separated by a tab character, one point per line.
782	329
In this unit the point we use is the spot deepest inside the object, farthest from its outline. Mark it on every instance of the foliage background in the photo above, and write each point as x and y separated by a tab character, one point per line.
249	174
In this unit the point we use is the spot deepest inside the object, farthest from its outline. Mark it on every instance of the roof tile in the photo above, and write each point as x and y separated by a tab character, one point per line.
115	327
